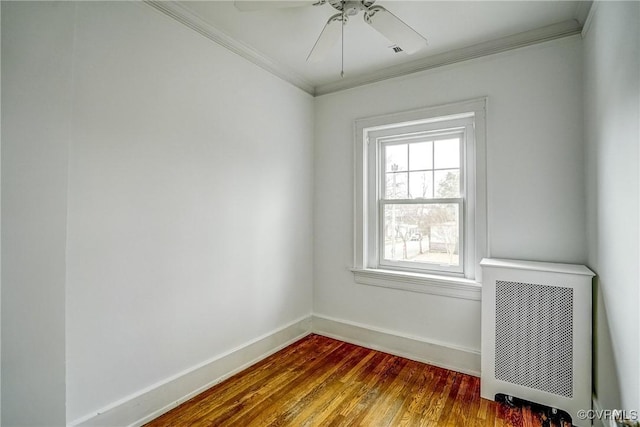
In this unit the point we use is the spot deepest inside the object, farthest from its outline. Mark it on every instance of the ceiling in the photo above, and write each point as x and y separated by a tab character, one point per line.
280	39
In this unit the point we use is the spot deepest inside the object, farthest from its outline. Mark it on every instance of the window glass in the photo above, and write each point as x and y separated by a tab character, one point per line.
447	183
422	233
446	153
396	185
413	234
396	157
421	156
421	185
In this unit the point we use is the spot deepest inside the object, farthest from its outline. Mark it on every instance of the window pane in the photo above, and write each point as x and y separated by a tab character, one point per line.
421	185
447	183
422	233
396	157
447	153
421	156
396	185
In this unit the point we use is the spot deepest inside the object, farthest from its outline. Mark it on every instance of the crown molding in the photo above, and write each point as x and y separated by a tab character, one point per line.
583	9
181	14
539	35
184	16
589	18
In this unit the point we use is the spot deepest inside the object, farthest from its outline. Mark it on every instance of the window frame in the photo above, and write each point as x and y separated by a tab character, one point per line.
369	134
428	132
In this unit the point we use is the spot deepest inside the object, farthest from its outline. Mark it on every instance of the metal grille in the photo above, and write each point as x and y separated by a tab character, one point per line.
534	336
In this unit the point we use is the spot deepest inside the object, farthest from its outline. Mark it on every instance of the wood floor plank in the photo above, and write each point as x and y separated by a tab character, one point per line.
397	397
287	406
365	383
435	405
458	405
271	391
320	381
321	402
420	390
528	418
436	378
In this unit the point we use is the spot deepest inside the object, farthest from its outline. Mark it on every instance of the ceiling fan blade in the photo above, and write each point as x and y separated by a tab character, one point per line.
250	6
328	37
392	27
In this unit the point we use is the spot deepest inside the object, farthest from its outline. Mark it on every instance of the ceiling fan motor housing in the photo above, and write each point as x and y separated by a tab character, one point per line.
405	38
351	7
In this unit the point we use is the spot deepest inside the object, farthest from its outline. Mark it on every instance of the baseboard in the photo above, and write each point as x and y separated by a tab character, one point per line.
154	401
439	354
144	406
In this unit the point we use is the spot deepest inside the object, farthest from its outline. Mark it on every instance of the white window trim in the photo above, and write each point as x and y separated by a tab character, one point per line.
365	269
461	125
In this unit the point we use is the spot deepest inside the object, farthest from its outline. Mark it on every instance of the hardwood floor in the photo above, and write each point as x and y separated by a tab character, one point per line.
319	381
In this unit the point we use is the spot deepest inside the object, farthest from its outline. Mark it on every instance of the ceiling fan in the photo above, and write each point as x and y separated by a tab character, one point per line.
393	28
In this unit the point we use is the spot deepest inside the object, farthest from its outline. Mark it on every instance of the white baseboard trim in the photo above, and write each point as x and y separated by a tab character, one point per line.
150	403
439	354
147	404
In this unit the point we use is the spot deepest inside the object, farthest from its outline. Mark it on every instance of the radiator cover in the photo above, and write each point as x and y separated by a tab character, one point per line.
536	333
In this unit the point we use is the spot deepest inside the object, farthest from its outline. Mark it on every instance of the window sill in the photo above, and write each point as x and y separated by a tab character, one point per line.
452	287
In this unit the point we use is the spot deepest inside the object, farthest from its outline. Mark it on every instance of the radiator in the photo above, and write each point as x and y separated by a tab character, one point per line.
536	333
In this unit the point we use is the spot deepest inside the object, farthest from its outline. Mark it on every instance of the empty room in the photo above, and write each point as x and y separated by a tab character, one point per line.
320	213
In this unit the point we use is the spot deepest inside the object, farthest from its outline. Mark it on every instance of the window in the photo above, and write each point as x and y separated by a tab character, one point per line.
420	207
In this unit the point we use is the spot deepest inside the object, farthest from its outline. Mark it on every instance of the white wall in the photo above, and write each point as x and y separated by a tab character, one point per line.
535	173
36	128
0	227
190	223
612	131
183	201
